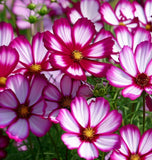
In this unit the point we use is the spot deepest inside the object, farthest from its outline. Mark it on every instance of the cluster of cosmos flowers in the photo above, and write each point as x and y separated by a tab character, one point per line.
43	79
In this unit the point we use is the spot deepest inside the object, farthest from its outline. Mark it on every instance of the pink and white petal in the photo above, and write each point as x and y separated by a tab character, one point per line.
80	111
98	110
23	47
118	156
124	148
71	140
36	87
140	35
76	86
62	29
85	91
39	108
124	9
131	136
100	49
107	143
127	61
88	151
39	126
108	14
148	89
143	55
52	93
139	12
124	37
132	92
145	143
148	156
110	123
19	130
148	10
60	61
39	52
66	89
118	77
83	32
90	9
97	69
8	60
51	42
53	115
76	72
6	33
73	15
67	121
7	116
19	84
148	70
8	99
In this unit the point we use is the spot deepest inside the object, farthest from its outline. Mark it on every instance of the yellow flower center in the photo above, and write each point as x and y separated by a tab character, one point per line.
121	24
88	133
35	68
66	102
148	27
23	111
77	55
3	81
135	157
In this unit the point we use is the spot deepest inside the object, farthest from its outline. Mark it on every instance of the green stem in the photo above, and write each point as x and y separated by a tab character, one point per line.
41	149
144	96
31	147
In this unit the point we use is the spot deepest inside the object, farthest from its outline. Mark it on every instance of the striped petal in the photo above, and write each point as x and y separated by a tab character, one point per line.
148	10
80	111
8	60
83	32
73	15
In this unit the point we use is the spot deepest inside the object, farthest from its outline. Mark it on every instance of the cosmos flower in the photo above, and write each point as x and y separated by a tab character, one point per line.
123	14
61	97
144	14
137	71
8	60
33	58
22	107
88	9
133	145
72	52
90	127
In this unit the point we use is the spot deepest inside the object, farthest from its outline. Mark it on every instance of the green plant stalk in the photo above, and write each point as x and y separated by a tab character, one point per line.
144	96
41	149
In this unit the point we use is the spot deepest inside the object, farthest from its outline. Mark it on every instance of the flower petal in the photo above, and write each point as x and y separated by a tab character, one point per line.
83	32
131	136
71	140
73	15
145	143
117	156
19	130
108	14
88	151
8	60
19	84
23	47
147	9
67	121
110	123
143	55
39	126
132	92
37	85
66	89
80	111
7	116
107	143
39	108
8	99
98	110
127	61
6	33
118	77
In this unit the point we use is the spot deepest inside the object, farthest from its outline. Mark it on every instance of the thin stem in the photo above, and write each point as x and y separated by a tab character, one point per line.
144	96
40	147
